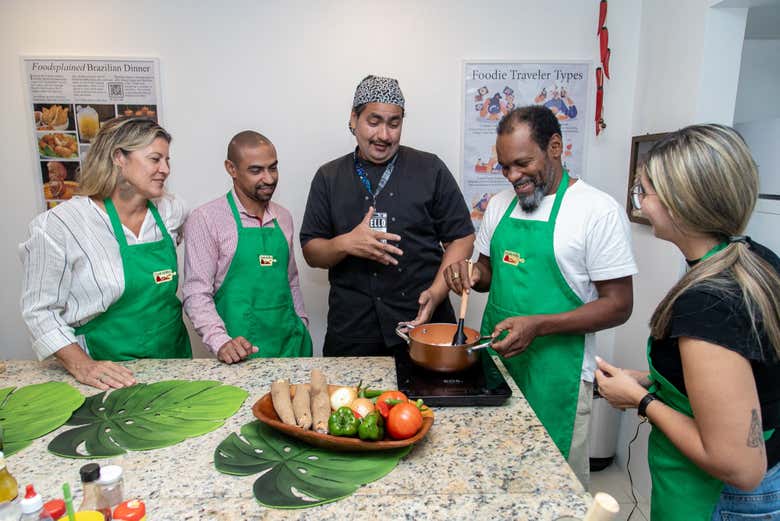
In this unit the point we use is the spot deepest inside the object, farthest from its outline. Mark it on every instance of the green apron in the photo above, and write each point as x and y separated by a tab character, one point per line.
527	281
681	490
255	300
146	320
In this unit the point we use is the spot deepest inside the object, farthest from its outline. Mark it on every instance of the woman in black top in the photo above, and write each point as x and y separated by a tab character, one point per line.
714	380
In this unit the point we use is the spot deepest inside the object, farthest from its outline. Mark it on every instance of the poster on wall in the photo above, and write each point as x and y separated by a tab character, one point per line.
69	99
493	89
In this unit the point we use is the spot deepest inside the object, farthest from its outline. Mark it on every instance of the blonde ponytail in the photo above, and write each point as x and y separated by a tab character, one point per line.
707	179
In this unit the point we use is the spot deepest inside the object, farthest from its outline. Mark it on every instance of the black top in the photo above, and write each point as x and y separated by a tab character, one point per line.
424	206
720	317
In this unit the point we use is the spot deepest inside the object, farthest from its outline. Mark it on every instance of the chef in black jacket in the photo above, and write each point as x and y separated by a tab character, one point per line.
384	220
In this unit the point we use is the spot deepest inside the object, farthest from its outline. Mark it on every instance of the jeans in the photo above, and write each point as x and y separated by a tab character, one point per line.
761	503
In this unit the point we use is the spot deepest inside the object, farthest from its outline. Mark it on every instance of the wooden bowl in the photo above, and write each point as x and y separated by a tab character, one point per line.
263	409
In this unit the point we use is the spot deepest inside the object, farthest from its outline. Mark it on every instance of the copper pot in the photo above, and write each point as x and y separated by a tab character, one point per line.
430	346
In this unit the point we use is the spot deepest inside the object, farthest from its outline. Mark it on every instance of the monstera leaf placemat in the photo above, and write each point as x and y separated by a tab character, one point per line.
297	475
146	416
27	413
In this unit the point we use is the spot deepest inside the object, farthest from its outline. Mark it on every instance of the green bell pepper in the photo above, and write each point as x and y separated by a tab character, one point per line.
343	422
372	427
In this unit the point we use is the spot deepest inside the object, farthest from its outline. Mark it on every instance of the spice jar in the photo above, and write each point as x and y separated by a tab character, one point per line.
112	484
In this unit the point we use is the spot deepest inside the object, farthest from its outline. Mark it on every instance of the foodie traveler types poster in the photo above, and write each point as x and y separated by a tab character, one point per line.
70	99
491	91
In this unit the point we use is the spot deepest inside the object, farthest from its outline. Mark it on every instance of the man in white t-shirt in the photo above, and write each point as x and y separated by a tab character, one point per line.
555	254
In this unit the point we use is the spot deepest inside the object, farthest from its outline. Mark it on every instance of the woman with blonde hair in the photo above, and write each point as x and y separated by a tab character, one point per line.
712	393
100	269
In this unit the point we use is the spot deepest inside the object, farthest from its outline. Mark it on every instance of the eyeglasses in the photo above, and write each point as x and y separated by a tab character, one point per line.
637	194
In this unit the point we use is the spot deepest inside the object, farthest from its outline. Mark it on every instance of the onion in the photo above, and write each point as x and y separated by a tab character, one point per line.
342	397
362	406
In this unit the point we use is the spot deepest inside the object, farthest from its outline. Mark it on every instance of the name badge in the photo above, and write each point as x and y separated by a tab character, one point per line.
378	223
513	258
266	260
163	276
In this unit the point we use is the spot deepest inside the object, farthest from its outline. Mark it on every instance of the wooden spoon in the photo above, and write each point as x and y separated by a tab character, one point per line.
460	337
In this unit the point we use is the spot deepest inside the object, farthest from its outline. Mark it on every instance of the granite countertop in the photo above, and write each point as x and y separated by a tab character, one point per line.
475	463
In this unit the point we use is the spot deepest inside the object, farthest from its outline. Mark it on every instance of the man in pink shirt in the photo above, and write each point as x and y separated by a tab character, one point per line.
241	288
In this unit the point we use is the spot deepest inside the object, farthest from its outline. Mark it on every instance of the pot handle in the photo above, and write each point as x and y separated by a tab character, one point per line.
401	329
483	345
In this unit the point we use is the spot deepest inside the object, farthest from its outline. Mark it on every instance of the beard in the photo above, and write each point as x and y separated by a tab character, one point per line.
531	202
263	196
542	183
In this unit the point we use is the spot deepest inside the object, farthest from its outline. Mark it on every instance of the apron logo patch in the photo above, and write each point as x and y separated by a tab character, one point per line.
266	260
512	258
163	276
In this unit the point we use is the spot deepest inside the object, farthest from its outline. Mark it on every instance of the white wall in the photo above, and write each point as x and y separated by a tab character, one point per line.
289	69
763	136
758	81
688	65
757	115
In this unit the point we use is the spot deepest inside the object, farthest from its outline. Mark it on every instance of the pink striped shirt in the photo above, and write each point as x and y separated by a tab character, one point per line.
210	239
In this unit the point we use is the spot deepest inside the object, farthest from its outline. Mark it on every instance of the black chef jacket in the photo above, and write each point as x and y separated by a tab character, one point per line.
424	206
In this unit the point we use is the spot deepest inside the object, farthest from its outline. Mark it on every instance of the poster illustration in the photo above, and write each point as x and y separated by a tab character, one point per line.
492	90
70	99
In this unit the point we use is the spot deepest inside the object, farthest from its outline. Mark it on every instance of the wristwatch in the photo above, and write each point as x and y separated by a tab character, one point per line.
641	409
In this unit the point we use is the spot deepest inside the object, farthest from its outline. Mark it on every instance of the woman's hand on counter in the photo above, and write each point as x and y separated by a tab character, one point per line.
101	374
620	387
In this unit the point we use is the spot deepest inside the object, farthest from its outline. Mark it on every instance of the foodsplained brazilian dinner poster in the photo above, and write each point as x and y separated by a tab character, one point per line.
69	99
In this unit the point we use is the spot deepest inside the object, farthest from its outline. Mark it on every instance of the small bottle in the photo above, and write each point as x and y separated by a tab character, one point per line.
93	499
9	493
111	484
32	506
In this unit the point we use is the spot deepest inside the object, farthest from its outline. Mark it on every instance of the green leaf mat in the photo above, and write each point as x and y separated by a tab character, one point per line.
146	416
295	474
27	413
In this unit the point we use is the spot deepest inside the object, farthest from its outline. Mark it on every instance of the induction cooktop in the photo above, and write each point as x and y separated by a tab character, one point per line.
480	385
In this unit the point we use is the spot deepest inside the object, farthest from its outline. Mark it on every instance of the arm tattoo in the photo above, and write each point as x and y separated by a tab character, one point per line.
755	435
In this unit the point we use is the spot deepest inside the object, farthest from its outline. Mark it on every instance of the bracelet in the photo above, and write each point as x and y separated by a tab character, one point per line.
643	403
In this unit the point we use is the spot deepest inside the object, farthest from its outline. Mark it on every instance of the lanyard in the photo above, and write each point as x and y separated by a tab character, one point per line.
361	173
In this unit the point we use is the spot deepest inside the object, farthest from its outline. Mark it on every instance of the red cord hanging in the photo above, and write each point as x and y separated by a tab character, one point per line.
604	55
599	101
602	16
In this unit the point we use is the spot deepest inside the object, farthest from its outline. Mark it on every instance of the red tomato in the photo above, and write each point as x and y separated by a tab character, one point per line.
404	420
392	395
383	409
